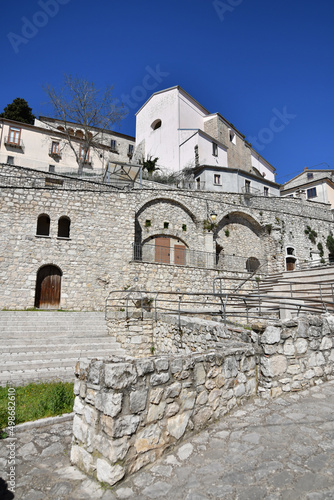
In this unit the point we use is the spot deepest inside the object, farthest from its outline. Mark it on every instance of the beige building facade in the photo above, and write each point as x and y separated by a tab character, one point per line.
44	146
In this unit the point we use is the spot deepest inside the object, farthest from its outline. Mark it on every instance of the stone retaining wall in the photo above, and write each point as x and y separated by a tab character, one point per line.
296	353
146	336
128	411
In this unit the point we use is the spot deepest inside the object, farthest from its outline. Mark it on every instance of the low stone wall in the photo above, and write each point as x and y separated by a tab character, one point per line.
145	336
296	354
193	335
128	411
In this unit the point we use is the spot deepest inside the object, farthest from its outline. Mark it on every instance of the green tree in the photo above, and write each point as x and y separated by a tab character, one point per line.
18	110
150	164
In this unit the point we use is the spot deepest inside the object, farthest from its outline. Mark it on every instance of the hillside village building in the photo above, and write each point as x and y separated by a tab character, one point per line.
315	184
43	146
67	243
182	134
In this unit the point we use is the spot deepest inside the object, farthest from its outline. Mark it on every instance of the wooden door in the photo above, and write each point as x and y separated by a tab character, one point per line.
48	286
290	264
180	255
162	250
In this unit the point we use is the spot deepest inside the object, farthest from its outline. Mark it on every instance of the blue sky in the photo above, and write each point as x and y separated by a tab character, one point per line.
267	67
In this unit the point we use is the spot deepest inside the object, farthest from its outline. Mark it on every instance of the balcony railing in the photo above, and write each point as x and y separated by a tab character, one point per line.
14	143
182	256
55	154
250	191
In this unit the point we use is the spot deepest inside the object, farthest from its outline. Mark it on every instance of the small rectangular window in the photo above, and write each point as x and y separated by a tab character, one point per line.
215	149
266	191
52	169
55	148
312	193
14	135
166	224
309	175
247	186
113	145
10	160
216	179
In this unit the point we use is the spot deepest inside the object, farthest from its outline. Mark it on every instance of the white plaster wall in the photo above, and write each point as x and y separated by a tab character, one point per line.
191	115
261	166
163	142
187	151
37	145
205	153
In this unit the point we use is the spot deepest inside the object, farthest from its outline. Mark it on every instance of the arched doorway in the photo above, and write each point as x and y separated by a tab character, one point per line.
48	286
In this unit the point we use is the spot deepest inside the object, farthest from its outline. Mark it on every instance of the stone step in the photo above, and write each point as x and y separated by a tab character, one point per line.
60	359
20	377
42	333
38	346
39	351
50	344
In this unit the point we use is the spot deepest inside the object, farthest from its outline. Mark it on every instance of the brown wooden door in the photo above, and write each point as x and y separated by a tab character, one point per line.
48	286
162	250
180	255
290	264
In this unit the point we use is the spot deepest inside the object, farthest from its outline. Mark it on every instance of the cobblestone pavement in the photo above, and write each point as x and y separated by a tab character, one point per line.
281	449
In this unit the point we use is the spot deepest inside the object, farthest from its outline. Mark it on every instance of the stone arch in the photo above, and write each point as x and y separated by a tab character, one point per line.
79	134
164	249
170	201
240	218
48	287
150	220
240	242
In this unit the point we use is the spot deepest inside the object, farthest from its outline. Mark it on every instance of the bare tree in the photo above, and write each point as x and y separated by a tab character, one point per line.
79	102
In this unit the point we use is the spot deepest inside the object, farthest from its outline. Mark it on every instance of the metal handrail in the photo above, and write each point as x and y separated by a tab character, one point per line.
223	305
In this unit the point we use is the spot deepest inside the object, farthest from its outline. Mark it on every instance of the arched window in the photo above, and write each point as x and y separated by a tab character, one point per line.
43	225
156	124
252	264
64	227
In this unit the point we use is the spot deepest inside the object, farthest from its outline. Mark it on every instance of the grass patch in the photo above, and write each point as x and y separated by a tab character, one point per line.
36	401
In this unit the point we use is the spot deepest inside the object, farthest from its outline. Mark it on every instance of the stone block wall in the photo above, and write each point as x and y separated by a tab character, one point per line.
128	411
146	336
97	258
296	354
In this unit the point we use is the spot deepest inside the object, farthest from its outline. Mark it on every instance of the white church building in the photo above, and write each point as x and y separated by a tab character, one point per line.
173	127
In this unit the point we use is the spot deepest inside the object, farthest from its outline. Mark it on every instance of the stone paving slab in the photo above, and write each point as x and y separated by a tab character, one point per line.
277	449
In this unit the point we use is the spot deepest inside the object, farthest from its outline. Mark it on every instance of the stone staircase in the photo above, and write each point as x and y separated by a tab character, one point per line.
312	290
38	346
